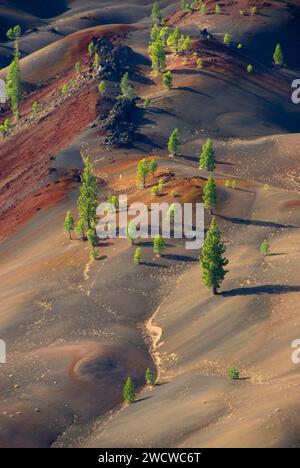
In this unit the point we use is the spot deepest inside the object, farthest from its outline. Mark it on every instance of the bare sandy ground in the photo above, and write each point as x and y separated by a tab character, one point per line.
76	329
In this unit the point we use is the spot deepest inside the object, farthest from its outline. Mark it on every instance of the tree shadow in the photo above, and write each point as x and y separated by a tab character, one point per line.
141	399
154	265
253	222
180	258
265	289
192	90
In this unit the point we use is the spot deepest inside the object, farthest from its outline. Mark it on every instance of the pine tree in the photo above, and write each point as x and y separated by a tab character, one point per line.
131	232
278	56
127	91
129	391
96	62
137	256
207	159
158	56
80	229
250	68
218	9
87	201
265	247
210	195
13	84
158	245
69	223
94	254
102	88
150	378
142	171
174	143
5	128
156	13
92	236
168	80
173	40
227	39
212	259
91	49
78	68
153	167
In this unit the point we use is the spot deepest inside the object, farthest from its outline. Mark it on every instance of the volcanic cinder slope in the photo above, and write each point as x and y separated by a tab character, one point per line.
76	328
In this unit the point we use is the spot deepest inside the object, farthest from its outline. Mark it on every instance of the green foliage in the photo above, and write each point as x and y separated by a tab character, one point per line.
14	85
239	46
5	128
159	245
96	62
278	56
131	232
161	185
218	9
155	191
227	39
147	103
207	159
114	200
142	171
212	258
91	49
87	201
266	187
150	378
153	166
199	63
253	10
173	40
265	248
129	391
156	13
127	91
230	184
174	143
94	253
65	88
80	229
203	8
92	236
210	194
233	373
78	68
69	223
102	88
36	107
250	68
168	80
14	34
137	259
158	56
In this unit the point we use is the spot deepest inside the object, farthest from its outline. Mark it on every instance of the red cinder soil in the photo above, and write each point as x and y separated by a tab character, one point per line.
25	158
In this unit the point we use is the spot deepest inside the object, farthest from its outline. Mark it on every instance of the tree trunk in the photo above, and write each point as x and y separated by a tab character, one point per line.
70	237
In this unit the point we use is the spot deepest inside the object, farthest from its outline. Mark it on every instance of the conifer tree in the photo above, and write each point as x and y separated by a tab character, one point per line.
278	56
227	39
173	40
91	49
69	223
137	256
212	259
159	245
168	80
131	232
207	159
129	391
127	91
150	379
102	88
153	167
158	56
87	201
13	78
174	143
142	171
156	13
5	128
210	195
265	247
92	236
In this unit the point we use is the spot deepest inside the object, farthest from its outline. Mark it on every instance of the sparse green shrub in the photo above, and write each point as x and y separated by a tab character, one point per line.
227	39
250	68
102	88
137	256
168	80
265	248
150	378
94	253
159	245
147	103
233	373
129	391
36	107
69	224
174	143
155	191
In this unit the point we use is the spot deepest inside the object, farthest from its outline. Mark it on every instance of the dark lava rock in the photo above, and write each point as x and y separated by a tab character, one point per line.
119	125
113	58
